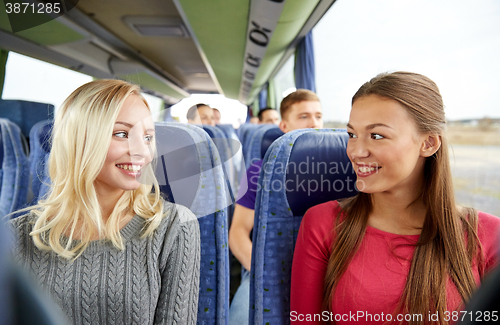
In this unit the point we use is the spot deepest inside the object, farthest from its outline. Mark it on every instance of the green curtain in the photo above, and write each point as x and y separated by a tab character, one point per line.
255	106
272	100
3	63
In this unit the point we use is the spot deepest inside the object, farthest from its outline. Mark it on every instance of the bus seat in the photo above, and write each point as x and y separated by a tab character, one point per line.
268	138
25	113
14	169
188	175
221	142
301	169
235	151
253	149
39	155
228	129
219	138
245	134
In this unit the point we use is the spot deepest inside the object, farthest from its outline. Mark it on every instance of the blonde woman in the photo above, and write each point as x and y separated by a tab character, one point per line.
401	251
107	248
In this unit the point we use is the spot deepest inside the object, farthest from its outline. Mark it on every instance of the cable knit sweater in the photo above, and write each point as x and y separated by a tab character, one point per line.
155	280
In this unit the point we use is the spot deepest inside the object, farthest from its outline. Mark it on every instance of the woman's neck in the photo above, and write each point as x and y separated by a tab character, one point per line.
399	213
108	201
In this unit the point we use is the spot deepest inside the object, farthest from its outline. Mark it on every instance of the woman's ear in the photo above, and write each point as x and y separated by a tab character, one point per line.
431	144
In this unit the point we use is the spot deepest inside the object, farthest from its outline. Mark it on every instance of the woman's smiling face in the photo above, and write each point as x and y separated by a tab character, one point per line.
130	149
384	146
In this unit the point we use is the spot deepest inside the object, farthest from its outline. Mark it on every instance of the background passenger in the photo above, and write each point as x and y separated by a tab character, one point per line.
299	110
108	249
216	116
401	247
268	116
201	114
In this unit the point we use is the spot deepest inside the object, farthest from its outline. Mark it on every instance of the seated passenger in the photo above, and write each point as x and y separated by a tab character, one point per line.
201	114
217	116
107	248
299	110
401	251
268	116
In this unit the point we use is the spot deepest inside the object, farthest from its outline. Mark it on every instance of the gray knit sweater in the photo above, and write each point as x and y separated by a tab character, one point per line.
155	280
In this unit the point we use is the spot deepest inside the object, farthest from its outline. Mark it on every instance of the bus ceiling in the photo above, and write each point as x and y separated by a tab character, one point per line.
170	47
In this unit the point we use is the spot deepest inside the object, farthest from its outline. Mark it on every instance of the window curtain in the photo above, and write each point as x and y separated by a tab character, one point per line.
304	64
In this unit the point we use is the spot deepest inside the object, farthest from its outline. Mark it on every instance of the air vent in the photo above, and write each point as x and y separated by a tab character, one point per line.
157	26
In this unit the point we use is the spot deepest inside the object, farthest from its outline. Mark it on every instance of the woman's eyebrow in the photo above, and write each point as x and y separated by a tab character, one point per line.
125	123
371	126
131	126
374	125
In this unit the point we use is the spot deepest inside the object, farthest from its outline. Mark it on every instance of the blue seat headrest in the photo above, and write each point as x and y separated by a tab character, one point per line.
178	166
269	138
319	171
25	114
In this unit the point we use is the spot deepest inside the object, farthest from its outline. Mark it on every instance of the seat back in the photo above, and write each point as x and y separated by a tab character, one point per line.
221	143
301	169
254	145
228	129
25	113
245	134
38	160
14	169
235	153
188	175
268	138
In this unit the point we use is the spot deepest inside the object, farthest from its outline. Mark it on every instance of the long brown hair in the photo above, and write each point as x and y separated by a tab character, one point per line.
441	250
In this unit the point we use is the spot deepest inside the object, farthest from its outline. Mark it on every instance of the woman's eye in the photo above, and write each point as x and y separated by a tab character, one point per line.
121	134
149	138
351	135
376	136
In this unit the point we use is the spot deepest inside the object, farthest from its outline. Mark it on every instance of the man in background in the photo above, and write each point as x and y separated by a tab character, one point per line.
201	114
269	116
216	116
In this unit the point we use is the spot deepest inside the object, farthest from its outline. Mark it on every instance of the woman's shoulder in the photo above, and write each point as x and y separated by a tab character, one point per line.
321	217
177	213
488	226
177	216
324	210
23	222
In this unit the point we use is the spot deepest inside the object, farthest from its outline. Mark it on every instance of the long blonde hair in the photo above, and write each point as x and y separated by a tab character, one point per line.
441	250
79	149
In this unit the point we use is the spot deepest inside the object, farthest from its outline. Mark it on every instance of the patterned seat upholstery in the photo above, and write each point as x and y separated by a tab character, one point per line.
39	155
221	143
14	171
301	169
268	138
253	150
189	174
245	134
25	114
219	139
235	154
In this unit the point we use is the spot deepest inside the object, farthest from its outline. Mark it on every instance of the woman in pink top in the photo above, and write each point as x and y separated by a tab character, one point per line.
401	251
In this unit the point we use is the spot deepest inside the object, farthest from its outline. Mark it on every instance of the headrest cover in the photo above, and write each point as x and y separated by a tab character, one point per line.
319	171
25	113
269	138
178	166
